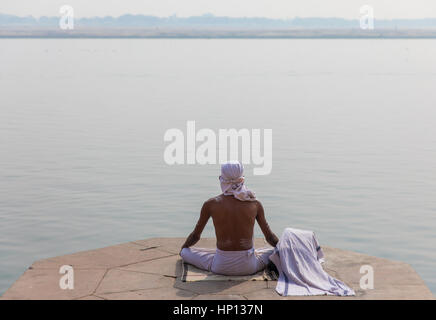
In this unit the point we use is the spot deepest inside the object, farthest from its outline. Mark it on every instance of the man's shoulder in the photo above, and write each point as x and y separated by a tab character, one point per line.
220	198
257	202
213	200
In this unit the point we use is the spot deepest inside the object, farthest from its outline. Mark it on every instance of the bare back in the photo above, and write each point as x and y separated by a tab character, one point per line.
234	222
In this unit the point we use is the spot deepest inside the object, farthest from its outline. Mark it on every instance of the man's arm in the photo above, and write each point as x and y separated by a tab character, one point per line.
202	221
270	237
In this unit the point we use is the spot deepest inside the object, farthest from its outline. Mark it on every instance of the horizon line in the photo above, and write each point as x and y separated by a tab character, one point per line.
212	16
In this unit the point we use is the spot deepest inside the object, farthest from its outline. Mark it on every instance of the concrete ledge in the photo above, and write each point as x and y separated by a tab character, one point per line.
151	269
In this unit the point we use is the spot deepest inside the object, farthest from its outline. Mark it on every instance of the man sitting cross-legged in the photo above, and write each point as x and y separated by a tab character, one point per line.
234	213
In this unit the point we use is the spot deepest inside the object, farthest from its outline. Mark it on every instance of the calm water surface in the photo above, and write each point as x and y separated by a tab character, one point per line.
82	125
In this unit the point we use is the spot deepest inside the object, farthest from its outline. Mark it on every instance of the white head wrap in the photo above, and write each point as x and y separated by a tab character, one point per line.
232	181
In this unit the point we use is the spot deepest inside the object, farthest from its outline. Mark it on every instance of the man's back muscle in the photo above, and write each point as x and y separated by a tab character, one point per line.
234	222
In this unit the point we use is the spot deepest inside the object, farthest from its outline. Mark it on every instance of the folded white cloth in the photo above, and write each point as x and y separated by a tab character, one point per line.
232	181
298	258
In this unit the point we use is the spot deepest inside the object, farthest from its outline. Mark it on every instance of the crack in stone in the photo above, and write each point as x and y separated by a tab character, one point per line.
141	261
88	295
134	290
157	247
75	267
145	249
150	273
99	283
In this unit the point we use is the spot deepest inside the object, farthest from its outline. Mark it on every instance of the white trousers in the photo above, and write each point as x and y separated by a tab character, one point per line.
231	263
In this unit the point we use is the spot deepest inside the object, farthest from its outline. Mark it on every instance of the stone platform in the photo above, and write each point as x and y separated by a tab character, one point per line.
151	269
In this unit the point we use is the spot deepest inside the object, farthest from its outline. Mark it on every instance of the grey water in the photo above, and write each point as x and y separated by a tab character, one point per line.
81	141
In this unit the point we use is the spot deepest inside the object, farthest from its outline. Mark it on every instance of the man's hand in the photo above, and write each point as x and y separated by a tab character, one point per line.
191	240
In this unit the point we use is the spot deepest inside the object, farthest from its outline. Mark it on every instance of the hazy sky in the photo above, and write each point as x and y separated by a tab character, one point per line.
383	9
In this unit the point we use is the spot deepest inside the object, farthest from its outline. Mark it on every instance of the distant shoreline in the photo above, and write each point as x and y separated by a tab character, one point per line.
183	33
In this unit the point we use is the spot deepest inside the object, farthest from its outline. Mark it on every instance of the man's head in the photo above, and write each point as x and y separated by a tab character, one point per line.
232	181
232	171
